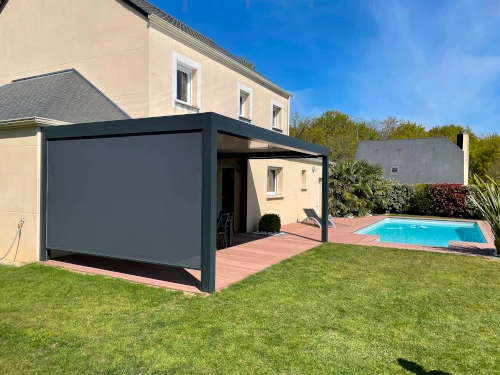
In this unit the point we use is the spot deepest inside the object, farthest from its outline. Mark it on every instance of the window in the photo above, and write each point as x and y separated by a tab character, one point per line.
394	170
272	181
276	116
186	84
304	180
244	103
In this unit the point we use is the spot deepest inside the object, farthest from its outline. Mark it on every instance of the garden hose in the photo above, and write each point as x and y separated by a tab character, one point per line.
18	235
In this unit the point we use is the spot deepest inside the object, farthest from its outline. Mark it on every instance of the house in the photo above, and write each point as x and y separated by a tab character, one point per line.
419	161
84	63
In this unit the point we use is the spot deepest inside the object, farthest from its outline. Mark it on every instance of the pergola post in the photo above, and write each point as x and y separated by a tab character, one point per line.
209	215
324	200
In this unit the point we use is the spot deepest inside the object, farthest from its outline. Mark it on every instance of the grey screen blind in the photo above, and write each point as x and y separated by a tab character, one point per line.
134	197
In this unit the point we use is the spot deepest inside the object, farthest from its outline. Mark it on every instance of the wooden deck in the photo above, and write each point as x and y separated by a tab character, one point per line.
254	255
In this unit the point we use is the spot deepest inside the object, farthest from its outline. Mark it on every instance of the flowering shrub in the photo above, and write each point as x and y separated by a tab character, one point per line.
449	199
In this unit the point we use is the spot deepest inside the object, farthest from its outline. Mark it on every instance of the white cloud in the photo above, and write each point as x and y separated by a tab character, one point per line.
435	64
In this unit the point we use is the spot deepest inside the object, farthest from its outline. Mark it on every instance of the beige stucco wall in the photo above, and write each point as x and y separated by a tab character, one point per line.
131	62
219	84
19	192
104	40
291	197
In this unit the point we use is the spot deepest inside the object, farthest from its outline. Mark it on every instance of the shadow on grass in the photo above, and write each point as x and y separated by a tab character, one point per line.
417	369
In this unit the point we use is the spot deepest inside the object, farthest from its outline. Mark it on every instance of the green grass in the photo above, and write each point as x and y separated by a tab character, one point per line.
336	309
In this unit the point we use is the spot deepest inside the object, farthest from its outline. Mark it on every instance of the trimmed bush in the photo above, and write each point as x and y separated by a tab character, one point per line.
270	223
421	203
397	198
449	199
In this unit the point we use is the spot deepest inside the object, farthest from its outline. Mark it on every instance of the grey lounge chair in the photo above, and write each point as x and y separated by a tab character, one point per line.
312	215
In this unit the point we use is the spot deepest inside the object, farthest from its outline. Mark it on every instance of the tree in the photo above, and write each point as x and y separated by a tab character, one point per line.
355	188
407	129
487	156
334	129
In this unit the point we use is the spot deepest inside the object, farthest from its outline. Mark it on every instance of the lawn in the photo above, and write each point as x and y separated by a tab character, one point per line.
336	309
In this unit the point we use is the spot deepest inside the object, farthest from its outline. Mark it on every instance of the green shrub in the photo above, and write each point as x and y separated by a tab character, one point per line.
421	203
472	211
397	198
270	223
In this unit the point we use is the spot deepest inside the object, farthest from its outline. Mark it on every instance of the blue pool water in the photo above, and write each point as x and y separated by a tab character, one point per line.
425	232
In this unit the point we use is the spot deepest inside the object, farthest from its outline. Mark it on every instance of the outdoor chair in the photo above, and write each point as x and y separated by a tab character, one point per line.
312	215
225	225
222	228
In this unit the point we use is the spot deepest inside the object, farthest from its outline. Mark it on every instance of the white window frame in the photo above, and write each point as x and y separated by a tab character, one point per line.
185	64
276	174
276	104
249	93
395	166
189	72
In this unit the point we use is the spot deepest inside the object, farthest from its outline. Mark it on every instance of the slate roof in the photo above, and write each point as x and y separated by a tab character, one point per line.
421	160
64	96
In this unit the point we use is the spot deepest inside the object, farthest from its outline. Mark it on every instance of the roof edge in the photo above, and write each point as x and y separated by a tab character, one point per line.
29	122
218	56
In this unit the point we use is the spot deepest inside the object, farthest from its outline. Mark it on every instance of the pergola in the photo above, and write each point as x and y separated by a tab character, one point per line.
145	189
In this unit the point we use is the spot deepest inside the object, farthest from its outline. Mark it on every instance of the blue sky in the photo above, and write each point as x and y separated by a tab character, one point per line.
434	62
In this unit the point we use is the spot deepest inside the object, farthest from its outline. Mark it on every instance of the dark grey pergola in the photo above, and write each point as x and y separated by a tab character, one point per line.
98	186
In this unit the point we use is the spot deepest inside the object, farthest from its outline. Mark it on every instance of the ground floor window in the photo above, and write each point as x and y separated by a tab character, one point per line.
304	180
272	180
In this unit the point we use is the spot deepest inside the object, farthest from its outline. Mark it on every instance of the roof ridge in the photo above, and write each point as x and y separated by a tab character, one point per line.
402	139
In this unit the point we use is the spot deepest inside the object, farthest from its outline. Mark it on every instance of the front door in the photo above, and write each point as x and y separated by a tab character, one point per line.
227	190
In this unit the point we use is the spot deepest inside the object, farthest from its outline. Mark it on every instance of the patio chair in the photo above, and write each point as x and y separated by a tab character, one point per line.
222	228
312	215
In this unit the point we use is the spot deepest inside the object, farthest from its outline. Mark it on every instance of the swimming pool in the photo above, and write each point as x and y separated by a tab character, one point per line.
425	232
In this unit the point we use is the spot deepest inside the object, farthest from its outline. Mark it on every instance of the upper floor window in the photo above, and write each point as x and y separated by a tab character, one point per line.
186	83
276	116
244	103
394	170
184	76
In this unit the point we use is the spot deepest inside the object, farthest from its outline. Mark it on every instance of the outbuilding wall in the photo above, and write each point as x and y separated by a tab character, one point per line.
19	192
